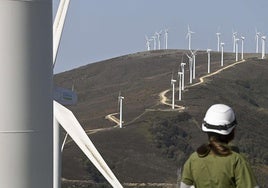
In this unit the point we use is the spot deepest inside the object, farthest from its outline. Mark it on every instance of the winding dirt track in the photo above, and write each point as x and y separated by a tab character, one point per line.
164	100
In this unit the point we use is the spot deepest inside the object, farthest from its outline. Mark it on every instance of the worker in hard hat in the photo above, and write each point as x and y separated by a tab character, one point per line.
215	164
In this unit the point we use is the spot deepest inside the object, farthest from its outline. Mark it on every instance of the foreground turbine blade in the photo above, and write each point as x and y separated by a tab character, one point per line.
71	125
58	26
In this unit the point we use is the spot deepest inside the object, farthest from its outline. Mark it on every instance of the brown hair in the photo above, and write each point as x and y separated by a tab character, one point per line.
217	144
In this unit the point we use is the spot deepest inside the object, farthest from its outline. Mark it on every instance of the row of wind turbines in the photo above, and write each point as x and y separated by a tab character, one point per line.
192	60
155	38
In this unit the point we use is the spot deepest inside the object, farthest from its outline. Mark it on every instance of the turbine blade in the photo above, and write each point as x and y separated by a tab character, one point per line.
69	122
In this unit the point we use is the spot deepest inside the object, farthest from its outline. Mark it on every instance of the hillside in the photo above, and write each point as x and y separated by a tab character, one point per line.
155	142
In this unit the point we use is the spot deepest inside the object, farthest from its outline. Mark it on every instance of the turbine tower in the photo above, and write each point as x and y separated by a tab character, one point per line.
180	74
190	68
258	34
183	75
236	49
26	130
158	34
148	43
208	51
222	45
166	38
234	37
242	47
189	36
193	56
218	38
263	46
172	82
154	38
120	101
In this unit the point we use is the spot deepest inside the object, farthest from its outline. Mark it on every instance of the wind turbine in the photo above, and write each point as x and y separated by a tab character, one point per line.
222	45
120	101
242	47
258	34
190	68
208	51
172	82
158	34
189	36
193	56
234	37
148	43
180	74
166	38
154	38
218	38
263	46
183	75
236	49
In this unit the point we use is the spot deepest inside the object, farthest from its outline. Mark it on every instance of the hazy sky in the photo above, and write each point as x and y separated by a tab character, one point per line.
96	30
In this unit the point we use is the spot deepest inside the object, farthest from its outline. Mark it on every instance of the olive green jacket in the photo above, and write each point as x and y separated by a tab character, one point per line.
213	171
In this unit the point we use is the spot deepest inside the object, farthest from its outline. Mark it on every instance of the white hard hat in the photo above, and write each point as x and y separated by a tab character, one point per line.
220	119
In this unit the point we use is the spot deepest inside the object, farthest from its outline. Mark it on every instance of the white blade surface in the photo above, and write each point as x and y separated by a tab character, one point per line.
58	26
71	125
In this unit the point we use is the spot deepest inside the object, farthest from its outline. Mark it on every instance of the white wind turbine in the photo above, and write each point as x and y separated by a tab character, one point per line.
234	37
120	101
180	74
154	39
222	45
190	68
236	49
258	34
218	38
189	36
183	75
263	46
172	82
208	51
148	41
242	47
158	34
193	56
166	38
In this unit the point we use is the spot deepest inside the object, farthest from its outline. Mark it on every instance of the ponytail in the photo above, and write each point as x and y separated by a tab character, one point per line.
217	144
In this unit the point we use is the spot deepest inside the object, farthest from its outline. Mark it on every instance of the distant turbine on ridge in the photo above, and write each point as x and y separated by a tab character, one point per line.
242	47
148	41
154	38
236	49
222	45
190	68
258	34
166	38
189	36
180	74
208	51
183	75
158	34
263	46
172	82
193	56
120	101
218	38
234	37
